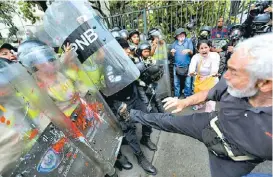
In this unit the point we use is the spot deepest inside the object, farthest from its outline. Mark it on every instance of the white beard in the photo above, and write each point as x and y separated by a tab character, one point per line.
249	91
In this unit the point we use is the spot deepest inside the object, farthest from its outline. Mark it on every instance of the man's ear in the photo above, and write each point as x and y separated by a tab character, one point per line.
265	85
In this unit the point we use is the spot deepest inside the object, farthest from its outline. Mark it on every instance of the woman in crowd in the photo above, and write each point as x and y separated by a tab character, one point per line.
204	66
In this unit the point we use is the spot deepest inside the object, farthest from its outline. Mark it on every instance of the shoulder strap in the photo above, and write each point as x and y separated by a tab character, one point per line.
199	66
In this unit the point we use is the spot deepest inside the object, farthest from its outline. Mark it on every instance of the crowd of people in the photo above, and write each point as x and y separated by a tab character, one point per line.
238	136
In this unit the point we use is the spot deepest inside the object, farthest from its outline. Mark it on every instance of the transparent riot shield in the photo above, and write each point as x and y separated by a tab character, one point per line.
66	83
32	143
76	23
18	128
161	56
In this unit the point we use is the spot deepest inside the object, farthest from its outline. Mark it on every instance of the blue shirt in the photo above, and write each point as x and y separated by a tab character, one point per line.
181	59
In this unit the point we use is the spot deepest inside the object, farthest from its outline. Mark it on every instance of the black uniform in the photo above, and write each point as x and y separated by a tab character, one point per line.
129	95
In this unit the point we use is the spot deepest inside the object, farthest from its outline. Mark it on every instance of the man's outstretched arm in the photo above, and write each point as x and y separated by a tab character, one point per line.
213	94
189	125
180	104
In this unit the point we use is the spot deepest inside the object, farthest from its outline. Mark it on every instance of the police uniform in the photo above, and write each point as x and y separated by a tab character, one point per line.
142	88
130	96
238	137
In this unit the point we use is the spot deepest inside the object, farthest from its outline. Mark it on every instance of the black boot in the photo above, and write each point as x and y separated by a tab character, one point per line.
123	163
146	141
145	164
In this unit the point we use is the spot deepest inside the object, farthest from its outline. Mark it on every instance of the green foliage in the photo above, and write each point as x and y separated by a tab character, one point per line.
170	15
12	31
6	14
27	9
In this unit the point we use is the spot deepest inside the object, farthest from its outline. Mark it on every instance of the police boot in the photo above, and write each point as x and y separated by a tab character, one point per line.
123	163
146	141
145	164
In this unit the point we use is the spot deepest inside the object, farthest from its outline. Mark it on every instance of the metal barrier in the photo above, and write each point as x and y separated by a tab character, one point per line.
171	17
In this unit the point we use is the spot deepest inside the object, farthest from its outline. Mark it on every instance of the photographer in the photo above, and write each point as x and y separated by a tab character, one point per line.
255	10
245	30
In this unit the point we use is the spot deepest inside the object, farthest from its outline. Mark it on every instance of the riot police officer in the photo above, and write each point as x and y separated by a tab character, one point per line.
124	34
150	74
130	96
204	33
134	38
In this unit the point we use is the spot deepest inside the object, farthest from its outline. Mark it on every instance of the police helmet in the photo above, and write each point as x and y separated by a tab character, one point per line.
116	28
152	74
33	52
142	37
154	32
205	32
124	34
143	46
133	32
115	34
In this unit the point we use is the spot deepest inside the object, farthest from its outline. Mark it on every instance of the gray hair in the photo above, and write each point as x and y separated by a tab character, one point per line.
259	49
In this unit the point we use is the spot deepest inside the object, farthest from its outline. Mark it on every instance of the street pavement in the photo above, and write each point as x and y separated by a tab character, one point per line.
177	156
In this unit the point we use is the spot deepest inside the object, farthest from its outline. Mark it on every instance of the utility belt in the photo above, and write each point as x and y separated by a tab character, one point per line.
218	145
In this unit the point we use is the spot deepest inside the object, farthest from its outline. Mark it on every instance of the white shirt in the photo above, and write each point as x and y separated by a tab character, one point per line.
209	66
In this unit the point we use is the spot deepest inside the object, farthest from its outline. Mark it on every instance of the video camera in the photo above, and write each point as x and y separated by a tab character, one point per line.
258	21
260	7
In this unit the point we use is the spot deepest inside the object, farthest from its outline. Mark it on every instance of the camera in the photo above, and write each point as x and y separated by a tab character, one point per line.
260	7
258	21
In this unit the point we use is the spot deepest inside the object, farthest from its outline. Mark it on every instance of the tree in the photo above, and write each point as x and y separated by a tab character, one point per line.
27	8
6	11
102	9
170	15
6	14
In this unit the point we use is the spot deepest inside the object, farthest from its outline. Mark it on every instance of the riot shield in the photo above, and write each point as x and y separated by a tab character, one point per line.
18	129
76	23
30	144
161	56
66	83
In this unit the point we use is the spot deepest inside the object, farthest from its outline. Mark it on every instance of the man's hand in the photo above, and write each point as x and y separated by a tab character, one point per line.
192	74
197	98
269	9
186	51
171	102
230	49
68	47
173	51
155	42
